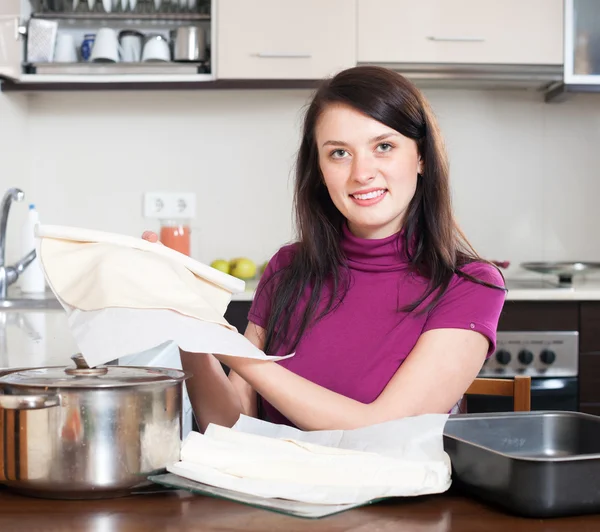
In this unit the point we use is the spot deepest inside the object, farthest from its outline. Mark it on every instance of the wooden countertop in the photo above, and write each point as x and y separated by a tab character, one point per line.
182	511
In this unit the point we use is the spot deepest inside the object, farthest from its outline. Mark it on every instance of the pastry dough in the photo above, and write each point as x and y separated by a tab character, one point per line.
305	471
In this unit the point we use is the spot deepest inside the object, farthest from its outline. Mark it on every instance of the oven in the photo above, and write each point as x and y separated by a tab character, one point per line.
549	358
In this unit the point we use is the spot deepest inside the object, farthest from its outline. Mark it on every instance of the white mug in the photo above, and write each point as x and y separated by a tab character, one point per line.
64	49
131	46
106	46
156	48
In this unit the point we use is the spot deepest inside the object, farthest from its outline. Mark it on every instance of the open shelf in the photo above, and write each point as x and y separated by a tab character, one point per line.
183	17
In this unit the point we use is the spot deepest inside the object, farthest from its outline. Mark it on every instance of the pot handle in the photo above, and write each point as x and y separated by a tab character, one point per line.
28	402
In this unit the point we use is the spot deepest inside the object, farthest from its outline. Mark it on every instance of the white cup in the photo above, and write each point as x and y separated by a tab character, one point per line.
106	46
131	46
64	50
156	48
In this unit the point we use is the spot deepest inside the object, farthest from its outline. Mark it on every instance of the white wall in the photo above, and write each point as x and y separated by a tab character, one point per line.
524	173
97	153
14	160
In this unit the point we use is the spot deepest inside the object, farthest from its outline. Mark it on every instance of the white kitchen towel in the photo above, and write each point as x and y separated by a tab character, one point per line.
396	459
125	295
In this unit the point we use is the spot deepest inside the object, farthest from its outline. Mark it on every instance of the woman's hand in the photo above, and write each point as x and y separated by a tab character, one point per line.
150	236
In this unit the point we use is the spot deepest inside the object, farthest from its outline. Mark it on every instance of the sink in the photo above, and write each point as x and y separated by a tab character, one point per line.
34	332
30	304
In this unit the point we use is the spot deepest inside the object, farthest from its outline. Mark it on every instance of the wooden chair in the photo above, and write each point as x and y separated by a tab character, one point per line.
519	388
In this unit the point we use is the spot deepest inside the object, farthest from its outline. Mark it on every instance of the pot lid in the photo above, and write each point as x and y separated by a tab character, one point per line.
82	376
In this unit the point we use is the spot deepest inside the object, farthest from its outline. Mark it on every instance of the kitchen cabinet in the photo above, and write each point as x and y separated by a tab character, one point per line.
581	50
285	39
582	42
589	358
11	42
517	32
22	34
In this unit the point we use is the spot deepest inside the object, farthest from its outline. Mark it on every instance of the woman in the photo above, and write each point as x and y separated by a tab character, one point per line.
388	309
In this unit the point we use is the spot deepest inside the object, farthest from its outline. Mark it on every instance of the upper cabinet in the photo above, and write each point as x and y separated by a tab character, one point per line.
91	42
191	43
284	39
518	32
582	42
11	42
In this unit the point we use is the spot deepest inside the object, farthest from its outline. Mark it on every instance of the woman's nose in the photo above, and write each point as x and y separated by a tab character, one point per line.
363	169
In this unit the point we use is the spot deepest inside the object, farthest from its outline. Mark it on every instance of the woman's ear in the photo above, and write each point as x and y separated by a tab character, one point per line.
420	166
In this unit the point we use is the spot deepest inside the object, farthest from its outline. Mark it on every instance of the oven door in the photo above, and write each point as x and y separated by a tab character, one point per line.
547	393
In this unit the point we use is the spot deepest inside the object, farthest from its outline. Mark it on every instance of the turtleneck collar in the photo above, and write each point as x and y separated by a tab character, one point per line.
379	254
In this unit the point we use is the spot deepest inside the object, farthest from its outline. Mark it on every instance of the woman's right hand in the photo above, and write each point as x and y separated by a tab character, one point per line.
150	236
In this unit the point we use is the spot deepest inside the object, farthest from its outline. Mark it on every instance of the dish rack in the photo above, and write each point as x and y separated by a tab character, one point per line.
117	9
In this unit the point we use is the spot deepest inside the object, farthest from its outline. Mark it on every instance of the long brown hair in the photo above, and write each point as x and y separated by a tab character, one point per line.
437	250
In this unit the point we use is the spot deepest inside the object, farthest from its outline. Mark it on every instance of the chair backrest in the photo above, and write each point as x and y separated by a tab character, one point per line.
519	388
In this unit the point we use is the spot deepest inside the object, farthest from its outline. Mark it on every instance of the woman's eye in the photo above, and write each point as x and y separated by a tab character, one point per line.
339	154
384	146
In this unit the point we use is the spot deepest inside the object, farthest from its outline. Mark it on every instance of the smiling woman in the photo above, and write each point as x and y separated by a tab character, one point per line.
387	307
373	165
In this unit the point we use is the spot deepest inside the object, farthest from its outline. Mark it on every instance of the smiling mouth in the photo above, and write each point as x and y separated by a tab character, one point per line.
370	195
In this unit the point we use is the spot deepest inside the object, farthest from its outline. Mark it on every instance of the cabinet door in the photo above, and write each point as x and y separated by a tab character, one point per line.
285	39
582	41
461	31
11	43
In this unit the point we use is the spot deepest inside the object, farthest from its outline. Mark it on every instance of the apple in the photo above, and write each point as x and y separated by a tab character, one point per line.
264	267
221	265
242	268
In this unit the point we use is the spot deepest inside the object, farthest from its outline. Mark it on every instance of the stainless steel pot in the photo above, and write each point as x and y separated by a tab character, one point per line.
85	433
189	43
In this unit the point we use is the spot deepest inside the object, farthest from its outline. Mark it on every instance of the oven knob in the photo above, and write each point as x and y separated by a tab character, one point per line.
547	356
503	357
525	357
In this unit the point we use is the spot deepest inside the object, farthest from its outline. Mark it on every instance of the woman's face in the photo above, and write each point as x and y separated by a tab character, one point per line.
370	170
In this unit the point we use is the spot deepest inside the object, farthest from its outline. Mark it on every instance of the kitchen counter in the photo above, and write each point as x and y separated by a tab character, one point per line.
30	338
527	290
518	290
180	510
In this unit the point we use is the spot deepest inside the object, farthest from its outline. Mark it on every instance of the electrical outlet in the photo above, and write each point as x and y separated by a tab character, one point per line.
169	205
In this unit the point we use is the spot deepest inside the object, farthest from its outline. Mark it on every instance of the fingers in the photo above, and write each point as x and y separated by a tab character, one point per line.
150	236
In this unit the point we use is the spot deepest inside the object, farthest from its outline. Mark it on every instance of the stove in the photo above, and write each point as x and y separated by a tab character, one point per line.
549	358
537	354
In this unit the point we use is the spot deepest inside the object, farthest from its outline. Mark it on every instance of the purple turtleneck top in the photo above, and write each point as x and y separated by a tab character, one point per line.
356	349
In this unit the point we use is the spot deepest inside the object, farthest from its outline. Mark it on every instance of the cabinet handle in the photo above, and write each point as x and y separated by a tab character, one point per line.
456	39
283	55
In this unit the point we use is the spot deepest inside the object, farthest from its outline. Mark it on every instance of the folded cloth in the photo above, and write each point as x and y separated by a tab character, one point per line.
399	458
90	270
124	295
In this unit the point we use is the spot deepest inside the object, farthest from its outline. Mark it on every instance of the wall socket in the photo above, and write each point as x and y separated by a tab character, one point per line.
169	205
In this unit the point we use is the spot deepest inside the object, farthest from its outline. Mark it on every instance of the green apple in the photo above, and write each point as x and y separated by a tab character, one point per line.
264	267
242	268
221	265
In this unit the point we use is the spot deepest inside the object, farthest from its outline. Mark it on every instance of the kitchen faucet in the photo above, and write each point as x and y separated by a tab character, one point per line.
9	274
